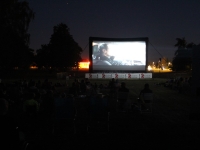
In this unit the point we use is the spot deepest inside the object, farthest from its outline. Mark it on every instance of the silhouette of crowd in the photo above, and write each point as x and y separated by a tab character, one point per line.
39	109
181	84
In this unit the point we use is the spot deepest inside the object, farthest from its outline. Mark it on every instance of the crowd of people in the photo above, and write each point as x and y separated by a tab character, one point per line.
181	84
23	101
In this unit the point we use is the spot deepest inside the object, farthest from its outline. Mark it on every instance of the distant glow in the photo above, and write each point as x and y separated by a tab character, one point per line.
84	65
149	68
33	67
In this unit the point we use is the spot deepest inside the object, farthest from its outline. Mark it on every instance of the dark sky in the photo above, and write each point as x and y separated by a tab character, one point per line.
162	21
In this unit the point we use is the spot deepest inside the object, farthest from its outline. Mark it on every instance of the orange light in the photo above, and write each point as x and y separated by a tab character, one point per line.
84	65
33	67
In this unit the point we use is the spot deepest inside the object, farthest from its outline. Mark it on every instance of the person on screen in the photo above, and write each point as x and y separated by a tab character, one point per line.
104	53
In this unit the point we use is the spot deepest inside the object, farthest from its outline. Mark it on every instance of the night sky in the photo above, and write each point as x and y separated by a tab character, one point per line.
162	21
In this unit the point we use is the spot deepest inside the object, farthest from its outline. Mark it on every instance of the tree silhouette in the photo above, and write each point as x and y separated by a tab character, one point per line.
62	50
181	43
190	45
15	18
182	63
183	55
43	56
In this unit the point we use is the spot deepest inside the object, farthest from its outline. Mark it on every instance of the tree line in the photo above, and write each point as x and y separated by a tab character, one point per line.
16	16
182	60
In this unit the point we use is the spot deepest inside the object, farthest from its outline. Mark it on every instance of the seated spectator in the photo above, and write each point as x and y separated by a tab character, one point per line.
143	91
112	85
180	84
73	90
123	88
8	128
95	86
122	100
83	87
87	82
4	94
101	86
47	107
30	105
32	88
47	85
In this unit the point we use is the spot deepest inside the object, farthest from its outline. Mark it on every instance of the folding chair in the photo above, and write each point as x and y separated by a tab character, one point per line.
105	91
122	98
146	105
64	115
98	115
82	114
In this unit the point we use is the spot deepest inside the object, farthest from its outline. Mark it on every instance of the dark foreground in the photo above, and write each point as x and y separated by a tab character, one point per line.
127	131
167	127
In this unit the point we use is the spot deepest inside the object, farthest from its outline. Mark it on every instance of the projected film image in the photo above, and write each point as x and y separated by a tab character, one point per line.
119	55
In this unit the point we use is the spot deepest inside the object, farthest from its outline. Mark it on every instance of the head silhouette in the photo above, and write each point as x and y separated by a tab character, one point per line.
146	86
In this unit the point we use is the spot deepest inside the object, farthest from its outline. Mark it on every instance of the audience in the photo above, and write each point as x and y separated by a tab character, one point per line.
122	100
9	132
83	87
143	91
30	105
37	98
180	84
47	107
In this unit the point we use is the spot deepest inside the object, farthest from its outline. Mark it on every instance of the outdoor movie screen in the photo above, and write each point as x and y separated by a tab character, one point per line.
108	54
